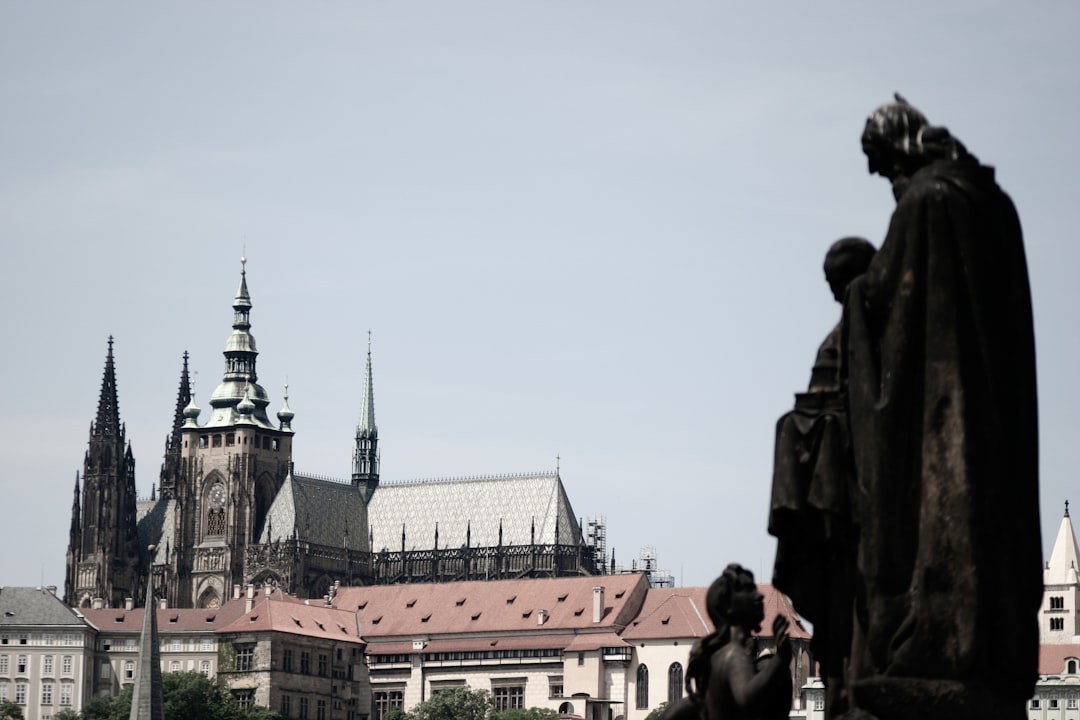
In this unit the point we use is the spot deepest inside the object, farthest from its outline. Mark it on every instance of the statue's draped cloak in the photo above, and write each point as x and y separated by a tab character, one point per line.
939	364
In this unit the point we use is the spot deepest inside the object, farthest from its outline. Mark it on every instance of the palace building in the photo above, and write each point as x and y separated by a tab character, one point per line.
230	510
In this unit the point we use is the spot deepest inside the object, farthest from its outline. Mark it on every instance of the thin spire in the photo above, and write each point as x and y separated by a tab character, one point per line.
367	406
146	699
108	414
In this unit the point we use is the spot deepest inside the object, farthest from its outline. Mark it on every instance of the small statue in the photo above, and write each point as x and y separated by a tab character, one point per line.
810	513
723	680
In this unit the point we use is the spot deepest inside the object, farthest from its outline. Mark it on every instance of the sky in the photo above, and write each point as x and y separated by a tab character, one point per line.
581	233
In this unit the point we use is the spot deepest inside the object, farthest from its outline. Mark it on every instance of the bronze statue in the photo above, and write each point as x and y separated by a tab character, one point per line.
810	514
724	680
937	383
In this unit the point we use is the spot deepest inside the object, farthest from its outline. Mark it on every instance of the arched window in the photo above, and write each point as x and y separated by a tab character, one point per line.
642	687
674	683
1072	667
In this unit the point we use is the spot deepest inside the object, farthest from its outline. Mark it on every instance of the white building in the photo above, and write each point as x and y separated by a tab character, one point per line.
46	653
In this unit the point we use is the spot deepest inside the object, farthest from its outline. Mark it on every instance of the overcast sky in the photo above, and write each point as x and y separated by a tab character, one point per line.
591	230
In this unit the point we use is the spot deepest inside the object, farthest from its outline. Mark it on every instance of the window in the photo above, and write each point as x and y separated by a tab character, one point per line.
69	639
204	668
65	693
386	700
230	440
244	698
555	686
206	645
1071	667
303	708
20	665
3	691
1053	703
4	639
286	660
642	693
508	697
106	671
23	638
675	683
819	703
286	705
50	639
174	666
129	670
581	658
245	659
177	645
3	664
46	693
47	665
1057	603
1070	703
1057	623
305	662
322	665
1035	704
217	441
65	665
320	710
20	693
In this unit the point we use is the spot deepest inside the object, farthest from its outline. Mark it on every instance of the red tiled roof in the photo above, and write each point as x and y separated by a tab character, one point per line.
492	606
595	641
1052	658
680	613
314	620
169	620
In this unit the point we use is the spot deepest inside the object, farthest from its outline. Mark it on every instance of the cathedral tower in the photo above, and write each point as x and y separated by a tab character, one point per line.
170	468
365	465
232	467
103	558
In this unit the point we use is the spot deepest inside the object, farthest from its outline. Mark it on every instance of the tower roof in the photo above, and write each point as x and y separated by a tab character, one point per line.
366	425
1065	558
107	422
240	377
146	699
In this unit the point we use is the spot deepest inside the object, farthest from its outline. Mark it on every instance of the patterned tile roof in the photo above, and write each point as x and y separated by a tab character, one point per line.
323	512
389	612
472	505
21	606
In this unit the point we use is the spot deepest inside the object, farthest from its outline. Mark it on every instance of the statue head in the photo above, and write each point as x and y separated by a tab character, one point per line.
891	139
733	599
846	260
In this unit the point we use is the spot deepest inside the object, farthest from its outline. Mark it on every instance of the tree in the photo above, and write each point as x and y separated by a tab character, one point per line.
657	713
67	714
533	713
459	703
187	696
10	711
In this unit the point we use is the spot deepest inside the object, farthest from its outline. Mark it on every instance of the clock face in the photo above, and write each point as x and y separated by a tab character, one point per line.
217	495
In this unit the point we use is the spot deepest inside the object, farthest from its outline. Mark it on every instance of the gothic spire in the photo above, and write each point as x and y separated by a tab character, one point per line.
108	413
170	468
365	475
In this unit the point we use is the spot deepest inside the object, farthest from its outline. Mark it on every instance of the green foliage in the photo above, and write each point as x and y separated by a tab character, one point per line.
657	713
396	714
187	696
533	713
10	711
67	714
460	703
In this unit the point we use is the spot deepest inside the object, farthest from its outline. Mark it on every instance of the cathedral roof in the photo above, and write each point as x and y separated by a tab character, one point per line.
156	527
473	511
322	512
1065	558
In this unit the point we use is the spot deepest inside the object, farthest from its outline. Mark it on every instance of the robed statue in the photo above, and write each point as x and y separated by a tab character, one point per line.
937	385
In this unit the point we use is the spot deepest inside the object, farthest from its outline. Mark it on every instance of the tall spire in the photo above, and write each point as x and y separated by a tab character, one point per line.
1064	565
170	468
365	474
147	702
108	413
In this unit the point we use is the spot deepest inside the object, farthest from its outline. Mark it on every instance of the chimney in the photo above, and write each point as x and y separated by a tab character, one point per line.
541	617
163	604
129	603
269	589
99	603
51	588
250	598
236	591
597	604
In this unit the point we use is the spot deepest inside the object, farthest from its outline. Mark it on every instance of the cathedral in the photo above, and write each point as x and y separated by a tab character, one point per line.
230	510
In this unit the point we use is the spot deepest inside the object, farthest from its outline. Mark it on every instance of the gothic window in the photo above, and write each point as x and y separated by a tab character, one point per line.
675	683
642	687
215	514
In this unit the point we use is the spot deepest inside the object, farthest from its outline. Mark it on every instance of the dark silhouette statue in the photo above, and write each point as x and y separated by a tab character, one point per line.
812	472
937	384
724	678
